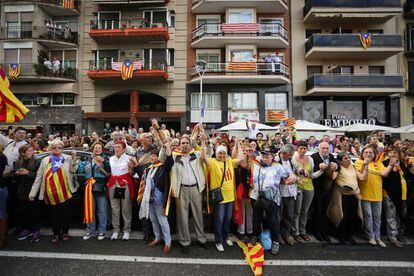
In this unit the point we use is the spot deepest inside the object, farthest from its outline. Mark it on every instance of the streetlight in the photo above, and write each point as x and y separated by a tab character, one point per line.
200	68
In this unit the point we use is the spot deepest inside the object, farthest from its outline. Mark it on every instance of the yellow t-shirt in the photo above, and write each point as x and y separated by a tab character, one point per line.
371	189
216	169
306	182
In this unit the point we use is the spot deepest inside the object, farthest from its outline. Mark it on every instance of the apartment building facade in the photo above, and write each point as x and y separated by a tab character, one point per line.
336	80
245	48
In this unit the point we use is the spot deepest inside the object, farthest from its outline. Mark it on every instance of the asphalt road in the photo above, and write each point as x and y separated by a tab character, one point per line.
92	257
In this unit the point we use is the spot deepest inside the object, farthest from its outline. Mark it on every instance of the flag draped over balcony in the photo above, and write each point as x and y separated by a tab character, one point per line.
254	256
68	4
365	40
11	109
240	27
276	115
127	68
14	70
242	66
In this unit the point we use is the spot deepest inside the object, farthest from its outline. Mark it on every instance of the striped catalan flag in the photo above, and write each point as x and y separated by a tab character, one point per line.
254	255
88	204
56	186
365	39
11	109
276	115
14	70
127	70
69	4
289	122
242	66
240	27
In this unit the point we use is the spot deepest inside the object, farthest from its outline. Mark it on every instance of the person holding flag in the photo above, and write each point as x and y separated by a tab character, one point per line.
55	181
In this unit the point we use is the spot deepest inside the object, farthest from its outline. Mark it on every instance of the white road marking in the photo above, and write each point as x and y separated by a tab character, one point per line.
200	261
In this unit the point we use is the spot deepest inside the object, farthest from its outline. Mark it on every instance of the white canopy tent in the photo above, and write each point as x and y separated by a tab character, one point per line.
305	129
239	128
367	128
406	129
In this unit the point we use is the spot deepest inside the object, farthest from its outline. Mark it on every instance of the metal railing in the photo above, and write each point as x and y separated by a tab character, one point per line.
215	29
35	32
229	68
106	64
125	23
195	2
61	3
41	70
354	80
309	4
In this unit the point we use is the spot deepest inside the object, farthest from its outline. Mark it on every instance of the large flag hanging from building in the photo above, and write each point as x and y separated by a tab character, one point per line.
11	109
365	40
69	4
240	27
273	115
127	68
254	256
14	70
242	66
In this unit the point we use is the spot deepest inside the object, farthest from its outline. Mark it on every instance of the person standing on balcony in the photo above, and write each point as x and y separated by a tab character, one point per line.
269	59
48	64
55	66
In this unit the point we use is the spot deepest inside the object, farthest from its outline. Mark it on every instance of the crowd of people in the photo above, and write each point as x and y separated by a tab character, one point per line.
289	187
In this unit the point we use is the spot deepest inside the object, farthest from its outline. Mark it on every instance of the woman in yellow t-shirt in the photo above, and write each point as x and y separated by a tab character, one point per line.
371	192
221	172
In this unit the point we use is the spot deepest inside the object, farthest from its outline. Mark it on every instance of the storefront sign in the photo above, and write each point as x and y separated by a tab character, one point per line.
235	116
340	121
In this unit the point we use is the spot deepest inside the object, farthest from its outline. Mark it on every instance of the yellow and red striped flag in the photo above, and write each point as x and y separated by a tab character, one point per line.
88	204
242	66
254	255
127	70
14	70
69	4
289	122
11	109
276	115
56	186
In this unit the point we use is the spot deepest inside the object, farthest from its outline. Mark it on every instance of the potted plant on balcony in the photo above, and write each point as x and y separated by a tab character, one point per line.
40	68
69	73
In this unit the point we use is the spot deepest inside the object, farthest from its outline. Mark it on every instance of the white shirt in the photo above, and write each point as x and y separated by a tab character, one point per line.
119	166
189	177
11	150
253	133
288	190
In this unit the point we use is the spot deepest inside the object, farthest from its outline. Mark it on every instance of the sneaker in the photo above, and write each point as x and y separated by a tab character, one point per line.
125	237
275	248
24	235
372	242
87	236
229	242
114	236
220	247
101	237
36	236
381	243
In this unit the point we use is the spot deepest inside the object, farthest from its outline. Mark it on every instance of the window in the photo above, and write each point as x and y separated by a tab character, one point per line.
242	101
211	100
309	33
375	70
172	19
66	57
21	56
411	76
109	20
28	99
241	16
208	26
410	37
241	55
19	24
170	57
314	69
341	31
346	70
270	25
376	31
275	101
63	99
155	58
159	16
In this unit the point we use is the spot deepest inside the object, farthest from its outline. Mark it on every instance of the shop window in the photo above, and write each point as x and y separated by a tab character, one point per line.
276	101
242	101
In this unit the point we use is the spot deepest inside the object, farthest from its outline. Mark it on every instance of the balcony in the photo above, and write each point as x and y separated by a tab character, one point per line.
350	11
348	46
38	73
243	73
354	85
55	7
121	31
108	70
215	35
48	37
132	2
220	6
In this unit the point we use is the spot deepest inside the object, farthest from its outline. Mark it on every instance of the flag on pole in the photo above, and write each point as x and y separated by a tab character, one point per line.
365	40
202	109
289	122
254	256
11	109
127	70
14	70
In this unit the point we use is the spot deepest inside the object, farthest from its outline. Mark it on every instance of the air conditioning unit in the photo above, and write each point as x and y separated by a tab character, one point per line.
43	100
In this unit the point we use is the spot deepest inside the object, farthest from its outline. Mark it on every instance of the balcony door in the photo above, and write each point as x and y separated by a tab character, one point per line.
343	70
270	25
155	58
213	60
21	56
208	26
109	20
155	18
241	16
104	58
241	55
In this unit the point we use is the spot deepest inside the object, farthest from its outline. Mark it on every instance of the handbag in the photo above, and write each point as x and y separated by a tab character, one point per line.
119	192
215	195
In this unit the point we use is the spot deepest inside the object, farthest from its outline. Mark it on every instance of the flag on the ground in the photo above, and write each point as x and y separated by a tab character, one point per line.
69	4
14	70
254	256
240	27
365	40
127	70
11	109
289	122
276	115
242	66
88	204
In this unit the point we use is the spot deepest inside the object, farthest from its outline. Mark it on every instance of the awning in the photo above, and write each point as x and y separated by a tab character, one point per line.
47	88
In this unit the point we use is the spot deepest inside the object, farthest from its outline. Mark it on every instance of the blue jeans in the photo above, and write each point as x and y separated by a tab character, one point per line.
4	192
100	208
222	217
372	218
159	223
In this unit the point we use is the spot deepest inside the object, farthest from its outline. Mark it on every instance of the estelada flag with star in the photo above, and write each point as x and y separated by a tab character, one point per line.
365	40
11	109
127	70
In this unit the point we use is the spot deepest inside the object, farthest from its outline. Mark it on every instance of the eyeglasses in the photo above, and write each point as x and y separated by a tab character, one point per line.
57	148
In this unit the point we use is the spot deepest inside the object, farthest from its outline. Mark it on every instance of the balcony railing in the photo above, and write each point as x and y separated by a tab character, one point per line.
215	29
148	64
40	70
354	81
350	4
34	32
125	23
261	68
195	2
352	40
69	5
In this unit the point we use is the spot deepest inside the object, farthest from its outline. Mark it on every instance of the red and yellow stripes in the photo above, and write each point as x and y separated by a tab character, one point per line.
56	186
88	204
254	256
242	66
